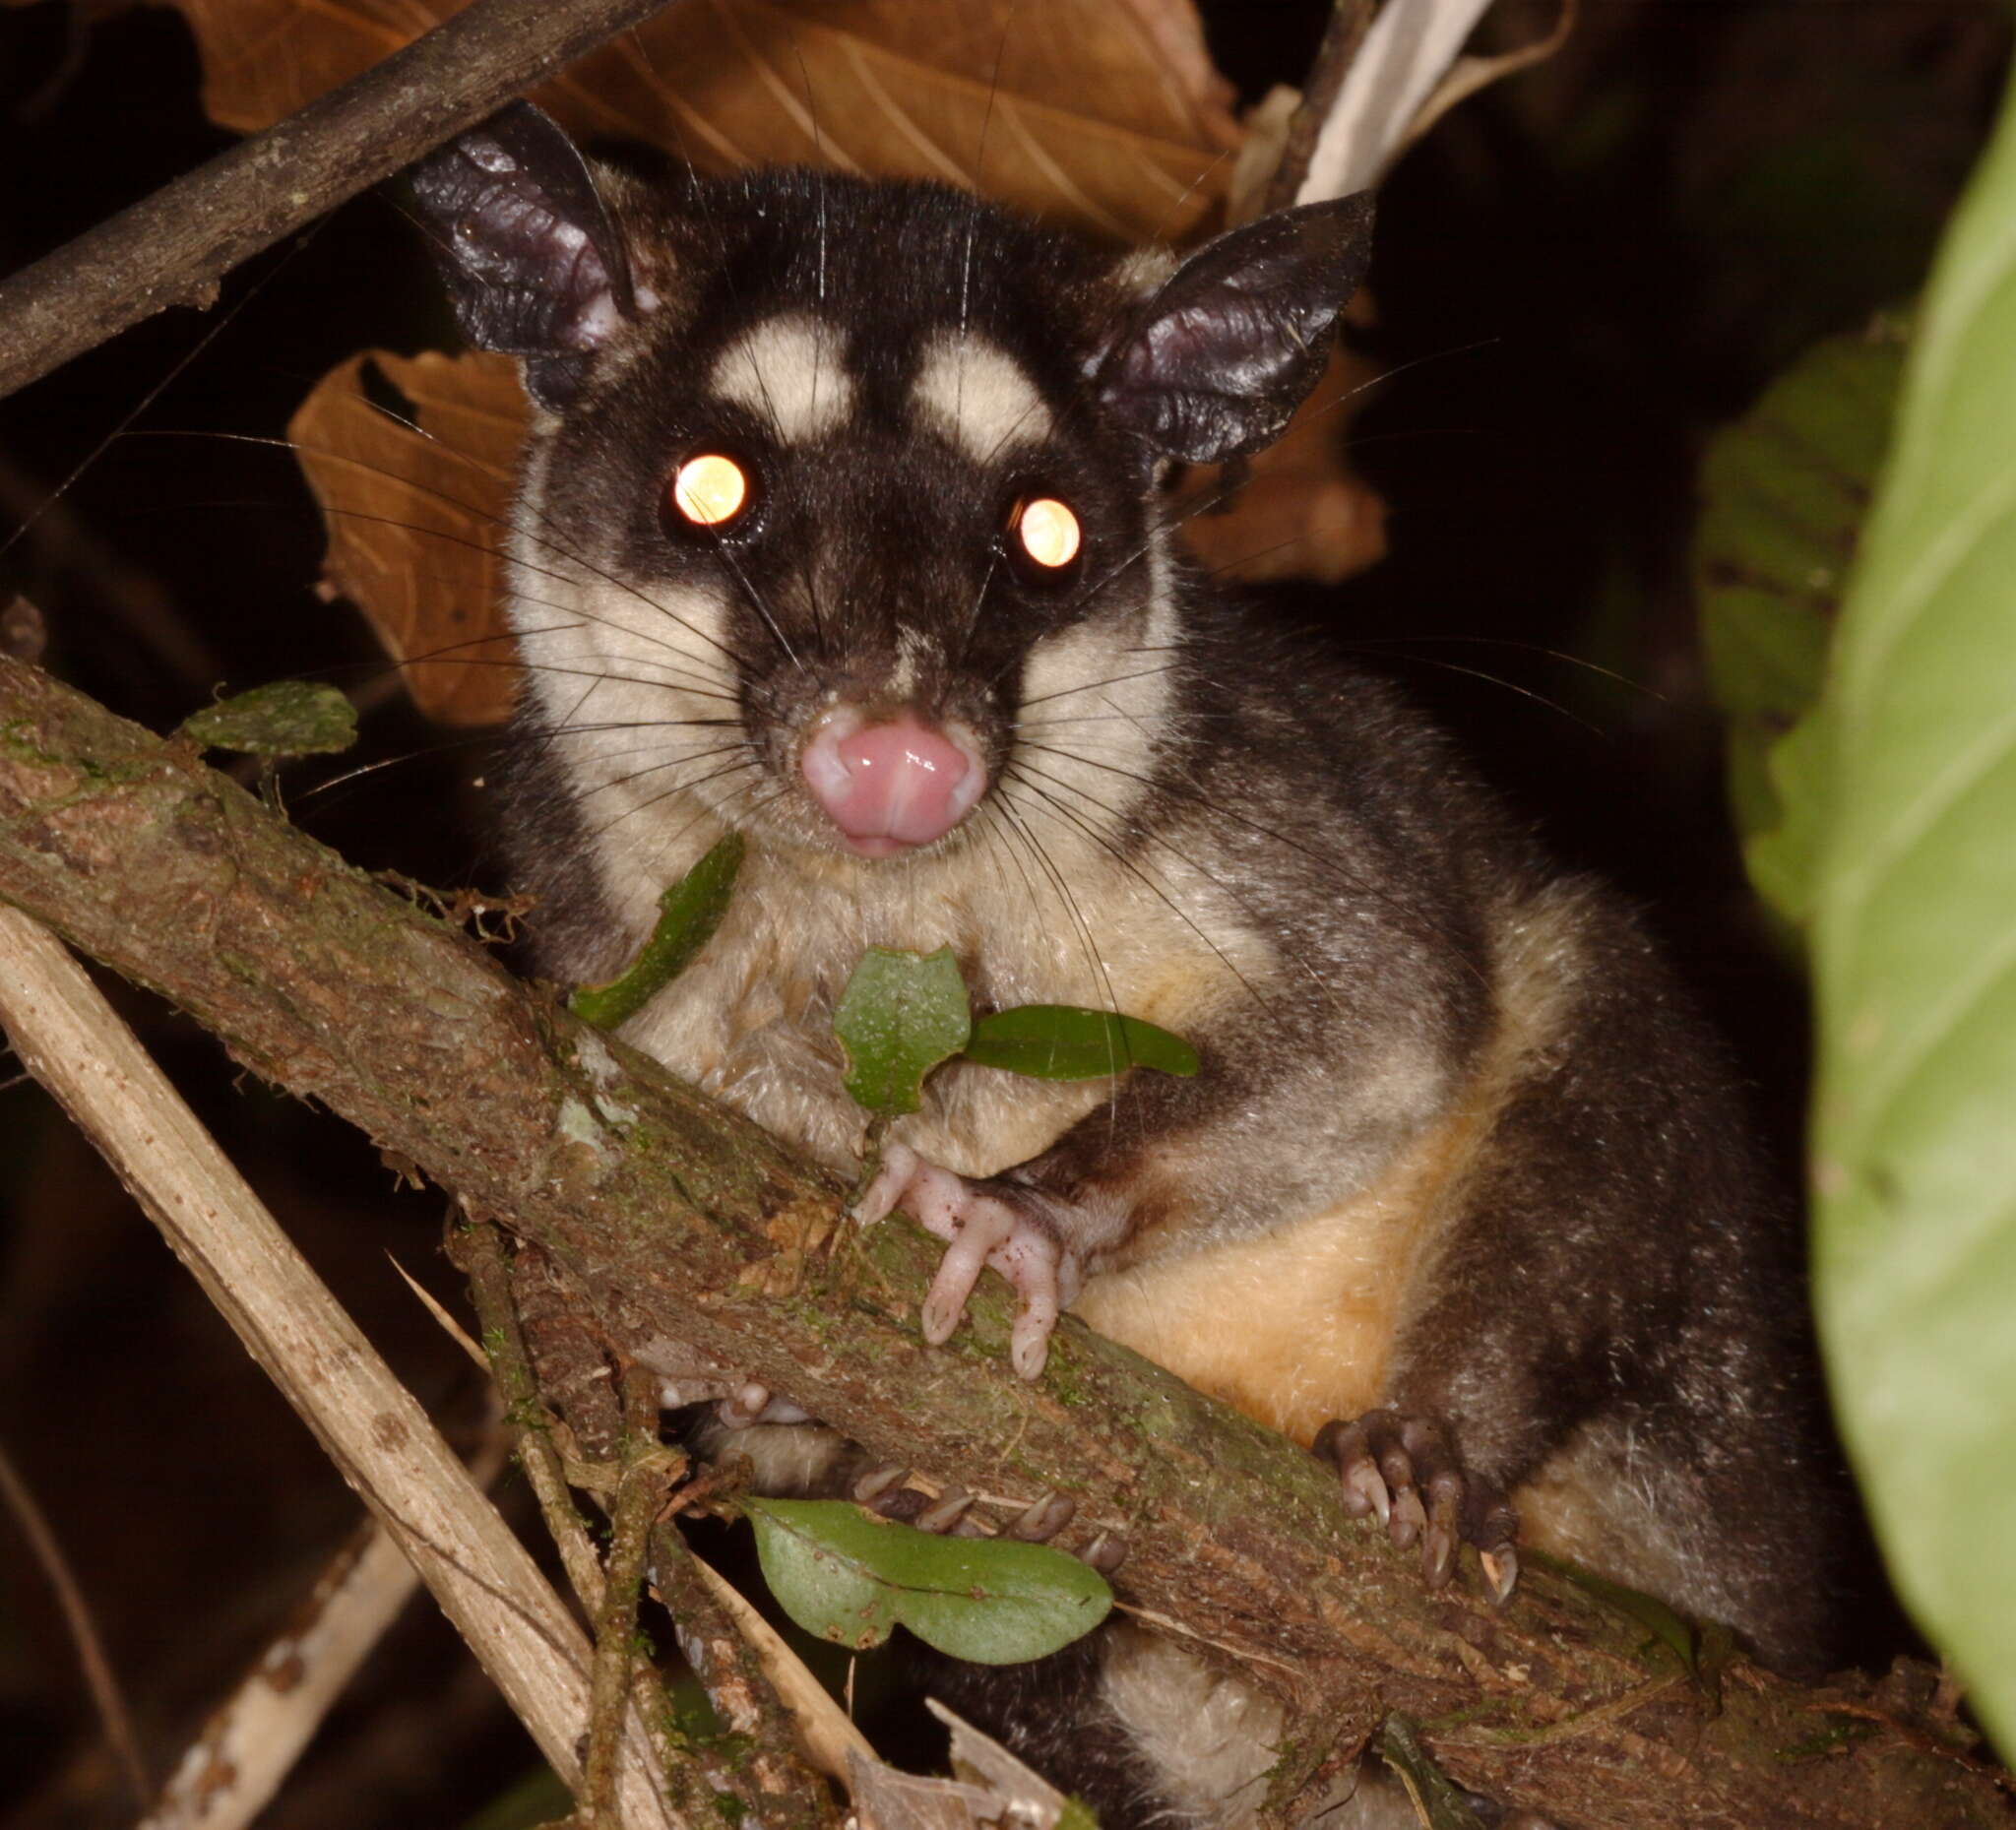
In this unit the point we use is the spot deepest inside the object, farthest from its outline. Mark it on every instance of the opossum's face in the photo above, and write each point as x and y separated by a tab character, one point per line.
868	533
839	522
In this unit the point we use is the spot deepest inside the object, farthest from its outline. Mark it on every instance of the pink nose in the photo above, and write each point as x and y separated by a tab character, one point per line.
890	786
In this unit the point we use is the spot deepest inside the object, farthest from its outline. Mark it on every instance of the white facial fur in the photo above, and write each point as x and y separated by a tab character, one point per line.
974	392
622	673
1092	696
790	370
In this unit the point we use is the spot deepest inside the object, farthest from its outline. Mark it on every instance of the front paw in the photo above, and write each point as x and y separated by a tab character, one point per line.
1406	1469
992	1222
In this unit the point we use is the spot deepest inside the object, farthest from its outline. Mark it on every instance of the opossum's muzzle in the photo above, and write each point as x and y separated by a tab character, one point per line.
893	785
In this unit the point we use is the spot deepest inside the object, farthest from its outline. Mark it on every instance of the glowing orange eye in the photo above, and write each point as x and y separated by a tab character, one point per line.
710	490
1048	533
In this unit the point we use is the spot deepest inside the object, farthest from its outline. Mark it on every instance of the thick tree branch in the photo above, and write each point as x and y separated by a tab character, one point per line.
172	248
686	1224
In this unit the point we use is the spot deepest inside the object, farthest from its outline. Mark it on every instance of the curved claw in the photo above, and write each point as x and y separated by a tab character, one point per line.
946	1511
1043	1520
1446	1530
882	1196
1410	1518
977	1231
1105	1554
1501	1572
877	1481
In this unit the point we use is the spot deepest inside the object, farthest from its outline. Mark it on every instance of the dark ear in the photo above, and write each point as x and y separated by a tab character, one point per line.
1216	363
533	265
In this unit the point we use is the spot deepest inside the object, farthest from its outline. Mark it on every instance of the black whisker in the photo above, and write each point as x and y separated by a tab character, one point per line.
1411	915
1117	853
1061	884
1112	680
124	427
545	540
678	787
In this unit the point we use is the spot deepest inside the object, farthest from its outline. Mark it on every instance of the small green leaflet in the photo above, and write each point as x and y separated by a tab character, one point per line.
1061	1042
288	717
688	913
900	1015
850	1578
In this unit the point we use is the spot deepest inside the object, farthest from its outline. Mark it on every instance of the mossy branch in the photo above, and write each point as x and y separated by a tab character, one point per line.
683	1223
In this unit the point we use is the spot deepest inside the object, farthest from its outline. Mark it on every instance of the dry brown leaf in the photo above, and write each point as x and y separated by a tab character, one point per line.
1105	116
415	516
1299	513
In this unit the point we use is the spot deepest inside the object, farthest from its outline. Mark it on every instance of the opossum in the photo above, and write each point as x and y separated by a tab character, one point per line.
841	526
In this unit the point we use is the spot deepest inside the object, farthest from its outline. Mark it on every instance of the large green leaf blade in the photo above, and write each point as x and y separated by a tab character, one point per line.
850	1578
1915	1133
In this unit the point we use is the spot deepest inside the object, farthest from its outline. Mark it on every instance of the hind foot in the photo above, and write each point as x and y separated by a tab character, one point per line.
1407	1471
885	1491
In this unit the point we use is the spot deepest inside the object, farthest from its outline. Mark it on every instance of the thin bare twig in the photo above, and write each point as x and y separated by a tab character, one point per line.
489	1283
697	1780
172	248
252	1740
1350	20
371	1426
99	1676
742	1659
646	1469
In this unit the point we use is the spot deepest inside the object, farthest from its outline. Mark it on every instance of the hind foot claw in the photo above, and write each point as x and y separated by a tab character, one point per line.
1405	1471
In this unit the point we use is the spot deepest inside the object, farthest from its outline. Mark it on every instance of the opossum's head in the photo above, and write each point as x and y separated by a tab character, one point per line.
838	489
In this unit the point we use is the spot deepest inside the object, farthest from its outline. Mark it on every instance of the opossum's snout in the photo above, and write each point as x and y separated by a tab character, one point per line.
893	785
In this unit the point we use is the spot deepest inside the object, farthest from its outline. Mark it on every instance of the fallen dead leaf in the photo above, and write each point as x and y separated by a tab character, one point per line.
1105	116
415	514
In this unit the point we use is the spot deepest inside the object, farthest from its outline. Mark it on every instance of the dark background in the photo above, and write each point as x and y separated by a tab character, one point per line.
1579	276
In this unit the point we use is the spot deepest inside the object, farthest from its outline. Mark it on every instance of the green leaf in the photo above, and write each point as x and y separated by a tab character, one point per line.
1060	1042
848	1577
288	717
900	1016
1915	954
1784	493
688	913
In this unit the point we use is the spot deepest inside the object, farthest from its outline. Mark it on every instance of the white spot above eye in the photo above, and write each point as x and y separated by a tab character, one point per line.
978	395
790	370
